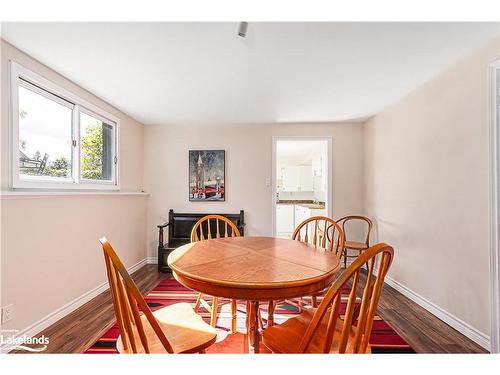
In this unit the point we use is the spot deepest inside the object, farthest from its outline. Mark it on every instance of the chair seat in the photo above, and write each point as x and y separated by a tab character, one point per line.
186	331
353	245
286	337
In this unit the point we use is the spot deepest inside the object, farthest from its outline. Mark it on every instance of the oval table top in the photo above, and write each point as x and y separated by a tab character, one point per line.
253	268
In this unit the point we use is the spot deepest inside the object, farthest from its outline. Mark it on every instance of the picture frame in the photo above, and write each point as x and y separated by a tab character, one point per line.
207	175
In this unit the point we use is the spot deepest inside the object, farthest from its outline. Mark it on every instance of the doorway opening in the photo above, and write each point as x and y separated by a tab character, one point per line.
302	169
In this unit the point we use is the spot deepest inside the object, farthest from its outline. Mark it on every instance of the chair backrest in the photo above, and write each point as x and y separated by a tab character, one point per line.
213	226
321	231
358	318
126	300
346	220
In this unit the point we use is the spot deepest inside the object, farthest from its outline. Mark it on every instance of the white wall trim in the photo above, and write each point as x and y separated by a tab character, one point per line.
494	157
152	260
60	313
461	326
329	181
27	194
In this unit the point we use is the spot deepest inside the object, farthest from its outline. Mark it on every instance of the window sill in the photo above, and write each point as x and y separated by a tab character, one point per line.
19	194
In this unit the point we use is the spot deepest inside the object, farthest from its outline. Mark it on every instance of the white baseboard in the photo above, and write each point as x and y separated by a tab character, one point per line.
60	313
461	326
152	260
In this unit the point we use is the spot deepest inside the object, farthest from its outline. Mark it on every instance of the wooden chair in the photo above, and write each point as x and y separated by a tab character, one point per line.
355	245
319	231
177	232
172	329
209	227
325	329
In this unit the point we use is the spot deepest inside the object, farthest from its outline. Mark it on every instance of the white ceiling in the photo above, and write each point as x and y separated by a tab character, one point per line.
203	73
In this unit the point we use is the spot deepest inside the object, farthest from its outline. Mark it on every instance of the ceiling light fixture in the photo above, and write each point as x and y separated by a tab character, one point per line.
242	29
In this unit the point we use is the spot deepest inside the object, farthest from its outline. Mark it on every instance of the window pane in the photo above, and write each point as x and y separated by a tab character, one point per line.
96	157
44	136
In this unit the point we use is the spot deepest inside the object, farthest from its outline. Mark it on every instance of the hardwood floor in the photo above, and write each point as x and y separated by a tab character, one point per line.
79	330
422	330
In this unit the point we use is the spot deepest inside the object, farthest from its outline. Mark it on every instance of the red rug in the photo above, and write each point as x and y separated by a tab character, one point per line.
383	338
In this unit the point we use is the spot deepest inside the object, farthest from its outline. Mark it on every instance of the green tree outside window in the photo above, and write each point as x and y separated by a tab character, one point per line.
92	153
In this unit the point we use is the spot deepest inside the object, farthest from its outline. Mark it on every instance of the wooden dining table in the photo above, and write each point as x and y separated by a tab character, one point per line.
254	269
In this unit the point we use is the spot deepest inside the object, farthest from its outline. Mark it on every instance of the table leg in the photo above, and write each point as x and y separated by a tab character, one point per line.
234	308
253	325
249	319
270	314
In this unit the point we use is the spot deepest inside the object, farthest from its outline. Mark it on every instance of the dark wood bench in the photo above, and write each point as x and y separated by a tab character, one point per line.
179	232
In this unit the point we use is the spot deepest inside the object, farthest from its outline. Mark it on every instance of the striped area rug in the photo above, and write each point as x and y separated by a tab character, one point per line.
383	338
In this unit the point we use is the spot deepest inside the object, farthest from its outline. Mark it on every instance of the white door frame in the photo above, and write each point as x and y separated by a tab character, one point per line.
329	181
494	105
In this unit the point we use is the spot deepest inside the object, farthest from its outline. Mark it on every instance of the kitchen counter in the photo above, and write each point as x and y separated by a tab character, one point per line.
313	206
304	203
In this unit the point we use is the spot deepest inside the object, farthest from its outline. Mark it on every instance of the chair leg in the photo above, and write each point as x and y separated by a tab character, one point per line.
247	312
233	316
270	314
198	302
314	301
213	317
261	322
345	258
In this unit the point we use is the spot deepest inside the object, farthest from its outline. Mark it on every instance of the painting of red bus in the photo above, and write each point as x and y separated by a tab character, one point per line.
206	175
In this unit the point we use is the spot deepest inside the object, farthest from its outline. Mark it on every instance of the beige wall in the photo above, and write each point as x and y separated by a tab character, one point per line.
248	164
50	249
49	245
426	163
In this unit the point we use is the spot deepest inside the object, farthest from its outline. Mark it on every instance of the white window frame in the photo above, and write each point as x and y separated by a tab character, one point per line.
60	95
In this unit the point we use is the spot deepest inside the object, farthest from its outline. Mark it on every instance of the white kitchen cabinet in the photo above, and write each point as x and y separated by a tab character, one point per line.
285	219
317	212
298	178
289	216
305	178
317	166
302	213
291	178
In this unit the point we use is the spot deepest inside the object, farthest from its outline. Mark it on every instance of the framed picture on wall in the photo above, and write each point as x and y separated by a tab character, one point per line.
206	175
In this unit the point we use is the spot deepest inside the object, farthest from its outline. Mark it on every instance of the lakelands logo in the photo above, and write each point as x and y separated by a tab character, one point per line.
9	339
